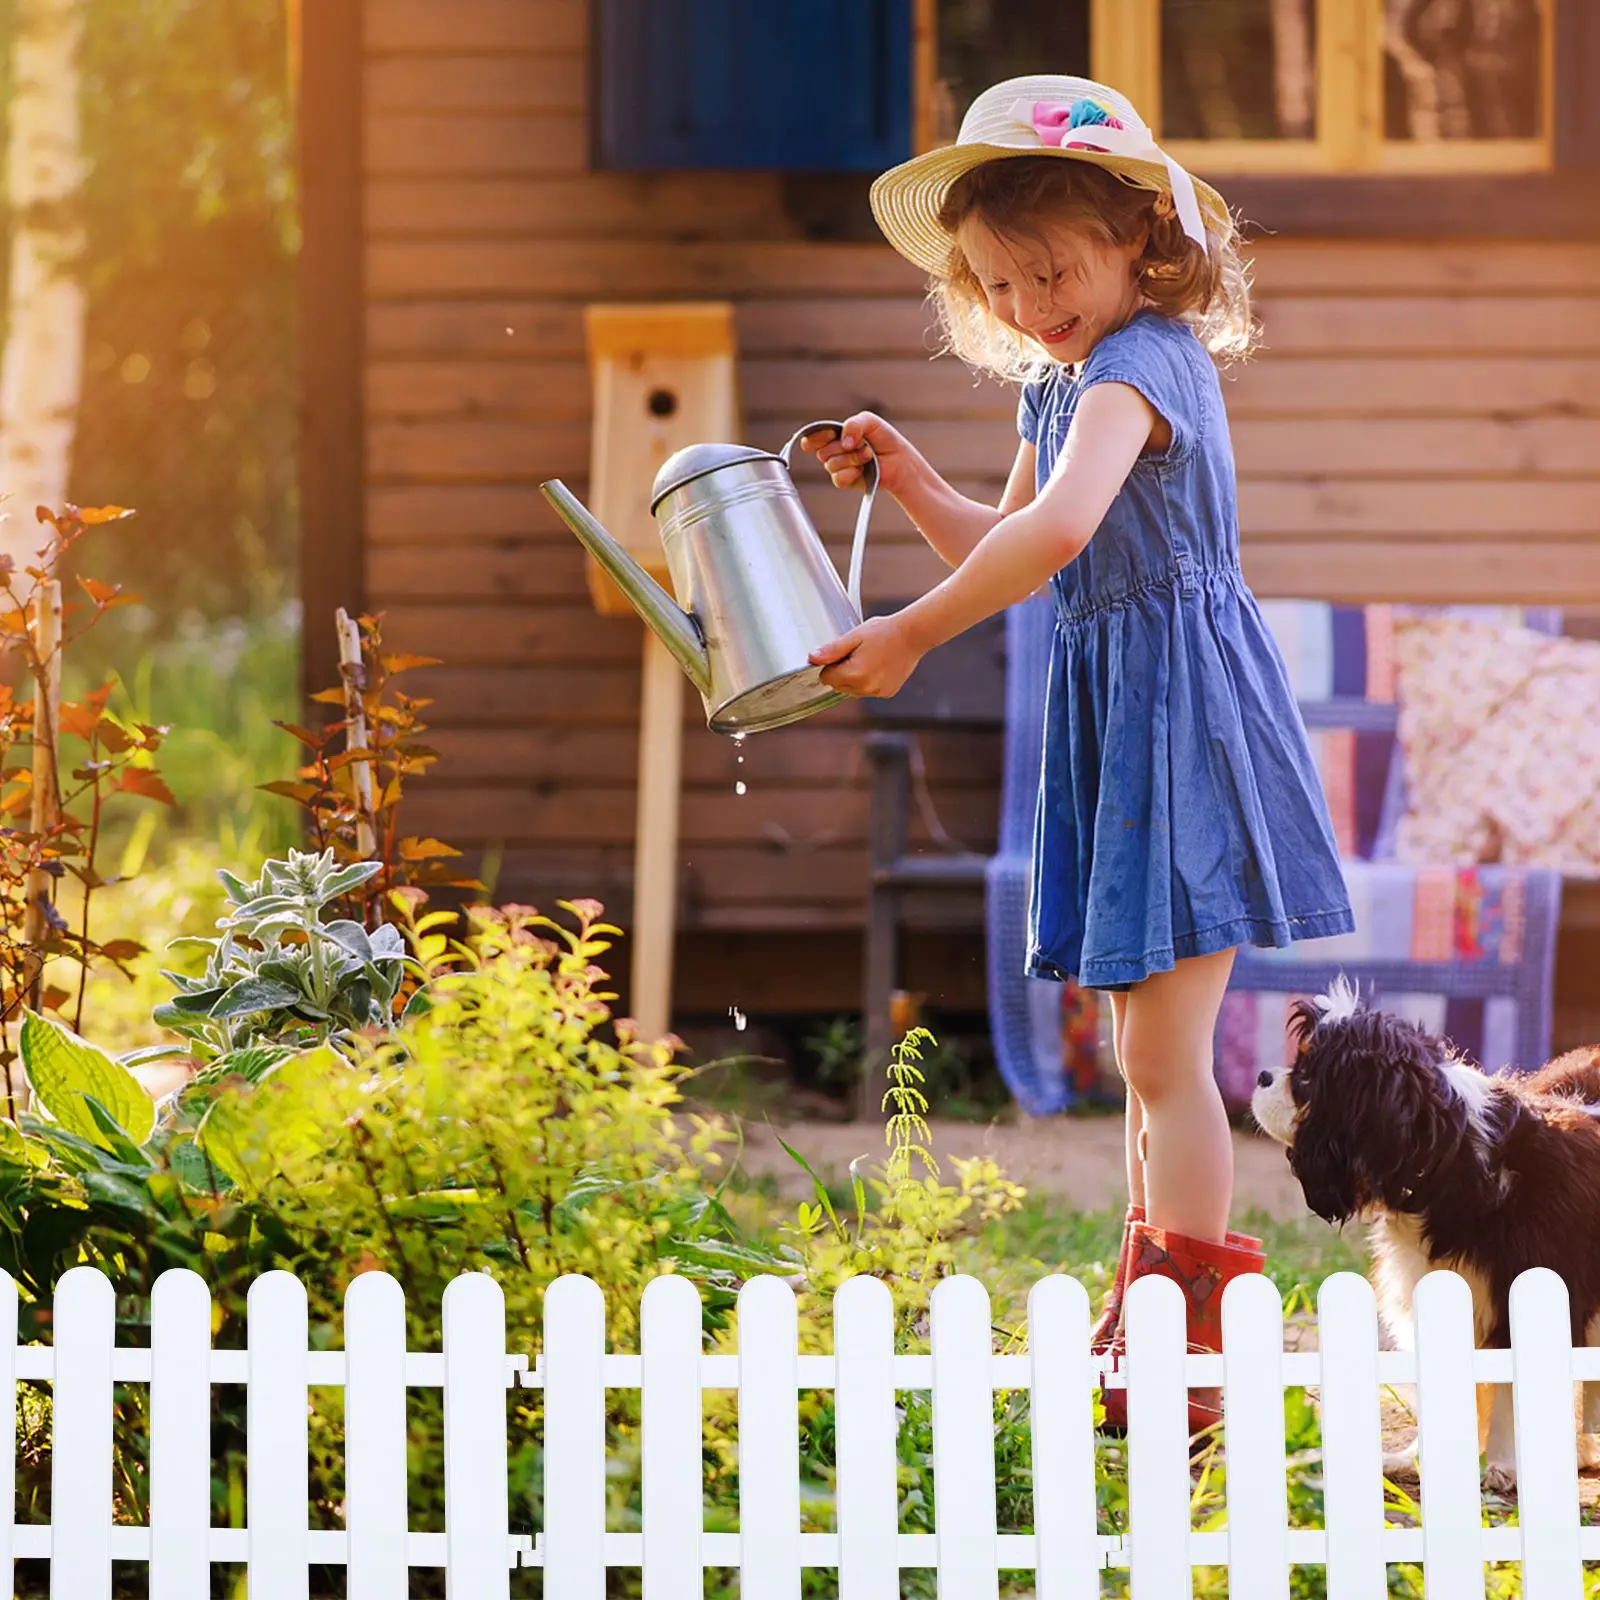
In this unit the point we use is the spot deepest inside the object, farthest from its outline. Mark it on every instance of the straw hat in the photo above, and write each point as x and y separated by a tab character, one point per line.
1051	115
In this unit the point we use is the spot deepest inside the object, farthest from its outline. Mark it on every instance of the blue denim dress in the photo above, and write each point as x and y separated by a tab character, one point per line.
1180	811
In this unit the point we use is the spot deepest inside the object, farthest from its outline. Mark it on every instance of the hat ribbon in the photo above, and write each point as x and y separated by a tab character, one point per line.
1052	124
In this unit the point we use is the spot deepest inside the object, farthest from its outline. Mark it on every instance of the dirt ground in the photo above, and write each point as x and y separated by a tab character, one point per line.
1078	1158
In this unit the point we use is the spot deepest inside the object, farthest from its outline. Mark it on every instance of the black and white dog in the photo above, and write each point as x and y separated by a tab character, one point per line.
1487	1176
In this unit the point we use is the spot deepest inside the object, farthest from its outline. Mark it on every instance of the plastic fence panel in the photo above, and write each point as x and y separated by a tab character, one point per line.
376	1513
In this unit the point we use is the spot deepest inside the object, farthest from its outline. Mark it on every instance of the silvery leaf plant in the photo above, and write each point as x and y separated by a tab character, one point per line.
279	977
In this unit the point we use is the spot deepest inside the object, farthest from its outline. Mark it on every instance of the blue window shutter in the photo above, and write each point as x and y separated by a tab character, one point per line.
781	85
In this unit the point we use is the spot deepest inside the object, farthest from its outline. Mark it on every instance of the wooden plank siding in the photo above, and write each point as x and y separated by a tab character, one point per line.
1423	422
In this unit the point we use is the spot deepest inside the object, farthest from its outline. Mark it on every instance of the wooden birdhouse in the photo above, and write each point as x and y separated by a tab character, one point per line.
663	377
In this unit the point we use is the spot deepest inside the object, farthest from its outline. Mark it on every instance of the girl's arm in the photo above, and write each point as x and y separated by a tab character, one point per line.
955	525
950	522
1023	549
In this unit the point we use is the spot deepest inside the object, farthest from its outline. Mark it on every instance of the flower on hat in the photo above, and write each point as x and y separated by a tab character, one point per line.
1052	123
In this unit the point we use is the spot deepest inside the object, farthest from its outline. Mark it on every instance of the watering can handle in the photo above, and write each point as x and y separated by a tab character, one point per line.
858	546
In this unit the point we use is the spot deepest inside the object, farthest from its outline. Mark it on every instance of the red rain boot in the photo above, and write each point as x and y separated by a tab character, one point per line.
1104	1332
1202	1270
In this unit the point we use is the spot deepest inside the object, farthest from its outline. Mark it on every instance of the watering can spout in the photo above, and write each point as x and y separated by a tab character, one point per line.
670	623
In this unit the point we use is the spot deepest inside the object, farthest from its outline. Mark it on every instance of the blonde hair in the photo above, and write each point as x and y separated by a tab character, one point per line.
1020	195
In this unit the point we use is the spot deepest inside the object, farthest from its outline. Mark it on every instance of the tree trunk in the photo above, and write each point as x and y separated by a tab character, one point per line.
42	367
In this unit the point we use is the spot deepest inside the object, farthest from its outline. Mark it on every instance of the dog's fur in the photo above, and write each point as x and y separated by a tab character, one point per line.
1486	1176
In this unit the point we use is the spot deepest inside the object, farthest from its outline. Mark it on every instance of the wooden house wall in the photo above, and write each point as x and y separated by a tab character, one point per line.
1422	422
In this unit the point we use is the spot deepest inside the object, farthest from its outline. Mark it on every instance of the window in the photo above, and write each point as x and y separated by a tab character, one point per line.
1290	86
720	84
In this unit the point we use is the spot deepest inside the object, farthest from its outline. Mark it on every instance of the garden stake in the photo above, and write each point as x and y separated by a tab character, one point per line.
46	800
352	675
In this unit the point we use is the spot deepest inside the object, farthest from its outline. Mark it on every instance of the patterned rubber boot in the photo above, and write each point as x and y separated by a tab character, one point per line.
1202	1270
1104	1332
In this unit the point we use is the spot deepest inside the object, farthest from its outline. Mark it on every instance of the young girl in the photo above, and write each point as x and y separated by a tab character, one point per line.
1180	815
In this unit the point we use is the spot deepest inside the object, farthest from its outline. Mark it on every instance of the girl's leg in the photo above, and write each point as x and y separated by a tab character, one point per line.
1133	1116
1164	1047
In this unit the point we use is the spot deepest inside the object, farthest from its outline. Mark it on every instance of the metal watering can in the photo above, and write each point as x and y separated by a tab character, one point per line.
758	593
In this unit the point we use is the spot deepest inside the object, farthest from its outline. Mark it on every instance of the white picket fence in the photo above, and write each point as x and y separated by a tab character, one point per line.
1066	1555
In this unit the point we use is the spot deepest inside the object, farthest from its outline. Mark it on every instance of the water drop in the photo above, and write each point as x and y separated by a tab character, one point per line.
510	331
738	788
740	1021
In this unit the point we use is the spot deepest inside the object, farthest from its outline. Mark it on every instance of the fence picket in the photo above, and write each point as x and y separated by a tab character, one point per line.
376	1513
80	1439
1447	1430
1352	1437
1547	1454
1061	1422
670	1412
865	1424
575	1437
963	1441
1158	1441
1258	1483
477	1552
277	1489
8	1430
180	1437
769	1441
477	1518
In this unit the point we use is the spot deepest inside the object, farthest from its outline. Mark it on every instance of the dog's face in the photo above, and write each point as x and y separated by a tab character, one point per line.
1371	1107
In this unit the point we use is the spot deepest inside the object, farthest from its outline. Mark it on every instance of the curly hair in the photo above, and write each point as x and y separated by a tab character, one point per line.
1022	195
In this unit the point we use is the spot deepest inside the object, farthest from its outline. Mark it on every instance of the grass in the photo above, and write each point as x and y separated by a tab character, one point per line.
1301	1252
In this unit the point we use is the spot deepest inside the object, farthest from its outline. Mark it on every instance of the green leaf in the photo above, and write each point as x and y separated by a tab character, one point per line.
116	1136
199	1003
189	1162
188	1023
816	1183
151	1053
237	890
348	878
254	1061
252	995
419	1005
741	1258
435	1205
63	1069
351	936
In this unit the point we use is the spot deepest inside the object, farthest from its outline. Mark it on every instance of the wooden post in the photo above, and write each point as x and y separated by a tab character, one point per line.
663	378
355	737
46	800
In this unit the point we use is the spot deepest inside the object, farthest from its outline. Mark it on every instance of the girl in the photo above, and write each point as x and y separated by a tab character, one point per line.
1180	814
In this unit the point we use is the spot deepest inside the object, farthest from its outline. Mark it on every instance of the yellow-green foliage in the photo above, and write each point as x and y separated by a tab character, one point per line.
499	1130
909	1238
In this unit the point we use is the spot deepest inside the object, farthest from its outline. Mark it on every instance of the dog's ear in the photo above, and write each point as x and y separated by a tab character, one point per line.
1420	1121
1331	1173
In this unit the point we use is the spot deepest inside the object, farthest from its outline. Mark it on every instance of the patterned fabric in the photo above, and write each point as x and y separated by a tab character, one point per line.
1501	758
1254	1028
1467	951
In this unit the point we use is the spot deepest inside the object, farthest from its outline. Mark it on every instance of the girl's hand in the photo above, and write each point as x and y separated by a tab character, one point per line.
870	662
865	435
